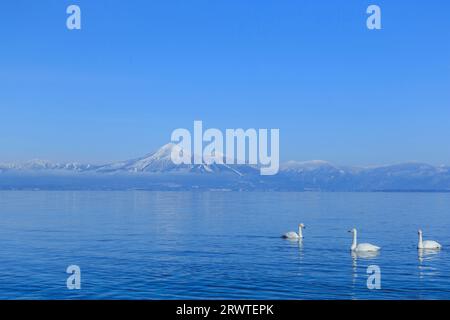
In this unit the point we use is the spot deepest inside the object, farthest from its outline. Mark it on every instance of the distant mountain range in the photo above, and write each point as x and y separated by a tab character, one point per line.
156	171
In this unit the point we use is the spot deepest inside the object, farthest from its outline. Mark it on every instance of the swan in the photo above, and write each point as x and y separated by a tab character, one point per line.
427	244
294	235
362	247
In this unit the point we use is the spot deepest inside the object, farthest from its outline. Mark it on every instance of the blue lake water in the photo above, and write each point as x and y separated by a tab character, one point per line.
220	245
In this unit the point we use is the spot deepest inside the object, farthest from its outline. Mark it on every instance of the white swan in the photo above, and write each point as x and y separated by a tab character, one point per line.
362	247
293	235
427	244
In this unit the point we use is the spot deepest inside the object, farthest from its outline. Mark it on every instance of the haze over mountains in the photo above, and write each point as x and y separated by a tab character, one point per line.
156	171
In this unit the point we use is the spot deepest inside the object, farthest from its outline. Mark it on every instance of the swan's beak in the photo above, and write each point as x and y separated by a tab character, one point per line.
349	231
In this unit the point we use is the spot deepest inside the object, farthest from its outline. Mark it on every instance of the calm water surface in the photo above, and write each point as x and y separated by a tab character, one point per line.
220	245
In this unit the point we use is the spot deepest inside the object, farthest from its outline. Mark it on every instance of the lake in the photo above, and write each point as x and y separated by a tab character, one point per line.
220	245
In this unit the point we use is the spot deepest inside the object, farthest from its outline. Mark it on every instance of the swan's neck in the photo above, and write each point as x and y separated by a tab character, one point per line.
355	242
300	232
420	240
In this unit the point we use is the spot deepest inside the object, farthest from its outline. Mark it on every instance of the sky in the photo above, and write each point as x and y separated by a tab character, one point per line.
137	70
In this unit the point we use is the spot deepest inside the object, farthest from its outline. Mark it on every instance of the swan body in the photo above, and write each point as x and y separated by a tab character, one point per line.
362	247
366	247
293	235
428	244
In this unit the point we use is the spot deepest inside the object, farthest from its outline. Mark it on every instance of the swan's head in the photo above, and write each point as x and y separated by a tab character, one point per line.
301	225
352	231
420	231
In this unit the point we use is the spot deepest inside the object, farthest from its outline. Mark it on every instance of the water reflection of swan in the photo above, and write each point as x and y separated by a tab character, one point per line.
296	243
365	254
360	255
362	247
354	269
426	255
293	235
428	244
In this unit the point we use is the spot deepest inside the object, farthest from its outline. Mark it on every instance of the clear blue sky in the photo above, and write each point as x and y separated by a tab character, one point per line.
139	69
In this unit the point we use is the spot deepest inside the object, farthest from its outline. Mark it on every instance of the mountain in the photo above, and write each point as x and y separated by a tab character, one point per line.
321	175
37	164
156	171
156	162
161	162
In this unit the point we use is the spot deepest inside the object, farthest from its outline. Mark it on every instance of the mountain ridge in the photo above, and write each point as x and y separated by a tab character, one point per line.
156	171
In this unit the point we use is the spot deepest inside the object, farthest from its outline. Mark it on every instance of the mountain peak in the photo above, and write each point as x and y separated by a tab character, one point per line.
165	152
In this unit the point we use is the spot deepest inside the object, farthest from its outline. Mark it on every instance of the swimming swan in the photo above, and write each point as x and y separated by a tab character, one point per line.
427	244
362	247
293	235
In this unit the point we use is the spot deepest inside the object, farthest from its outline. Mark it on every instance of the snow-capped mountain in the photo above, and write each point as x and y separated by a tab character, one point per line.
156	171
161	162
322	175
37	164
297	167
158	161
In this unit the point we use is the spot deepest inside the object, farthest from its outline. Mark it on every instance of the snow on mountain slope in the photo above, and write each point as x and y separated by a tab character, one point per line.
161	162
293	175
38	165
304	166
